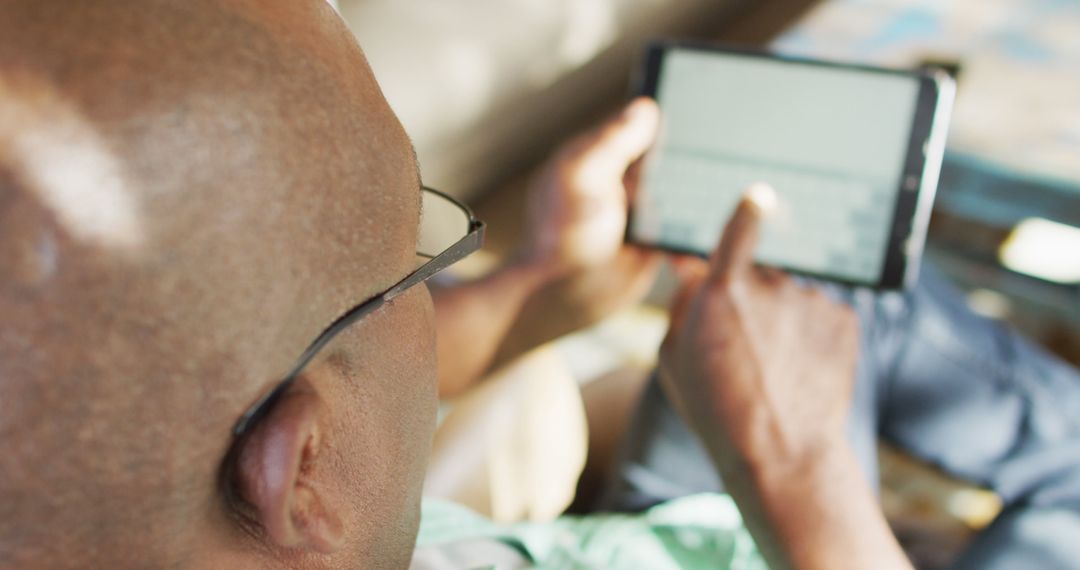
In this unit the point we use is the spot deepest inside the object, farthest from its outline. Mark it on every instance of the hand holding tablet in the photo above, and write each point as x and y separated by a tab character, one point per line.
852	152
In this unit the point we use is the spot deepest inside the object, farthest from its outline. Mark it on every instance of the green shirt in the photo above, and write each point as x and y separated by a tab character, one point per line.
699	531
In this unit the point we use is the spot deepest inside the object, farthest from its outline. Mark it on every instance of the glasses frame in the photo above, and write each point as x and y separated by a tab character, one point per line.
471	242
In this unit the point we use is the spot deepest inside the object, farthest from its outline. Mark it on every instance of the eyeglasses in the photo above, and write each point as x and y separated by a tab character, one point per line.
448	233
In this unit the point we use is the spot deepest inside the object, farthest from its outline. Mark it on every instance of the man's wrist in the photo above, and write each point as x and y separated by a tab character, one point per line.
772	466
815	510
811	466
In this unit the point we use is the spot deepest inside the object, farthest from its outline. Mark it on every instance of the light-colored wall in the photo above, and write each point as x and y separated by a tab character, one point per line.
483	86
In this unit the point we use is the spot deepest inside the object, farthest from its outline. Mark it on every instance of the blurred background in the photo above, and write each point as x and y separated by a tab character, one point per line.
487	88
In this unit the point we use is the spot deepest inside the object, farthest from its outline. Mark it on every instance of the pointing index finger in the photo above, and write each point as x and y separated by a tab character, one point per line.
735	254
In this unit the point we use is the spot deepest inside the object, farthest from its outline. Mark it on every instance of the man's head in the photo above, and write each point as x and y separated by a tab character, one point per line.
189	193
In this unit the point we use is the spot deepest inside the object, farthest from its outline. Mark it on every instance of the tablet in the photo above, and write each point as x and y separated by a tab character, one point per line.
853	153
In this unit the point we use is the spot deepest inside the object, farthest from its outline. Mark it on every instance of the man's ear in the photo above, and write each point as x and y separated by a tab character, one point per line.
275	471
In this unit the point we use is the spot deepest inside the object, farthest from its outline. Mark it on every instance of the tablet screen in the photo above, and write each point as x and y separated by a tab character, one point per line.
832	141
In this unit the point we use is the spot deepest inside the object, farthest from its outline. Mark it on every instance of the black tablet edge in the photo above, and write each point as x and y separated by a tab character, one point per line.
925	153
918	183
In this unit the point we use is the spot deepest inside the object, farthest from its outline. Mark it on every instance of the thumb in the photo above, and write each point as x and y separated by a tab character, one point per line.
616	144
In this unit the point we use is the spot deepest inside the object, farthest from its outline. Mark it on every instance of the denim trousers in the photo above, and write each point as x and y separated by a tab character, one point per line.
948	386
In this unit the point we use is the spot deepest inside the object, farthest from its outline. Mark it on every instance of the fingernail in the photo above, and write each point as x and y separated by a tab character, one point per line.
763	196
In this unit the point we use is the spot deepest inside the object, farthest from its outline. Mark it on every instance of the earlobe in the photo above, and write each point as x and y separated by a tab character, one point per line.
276	475
320	527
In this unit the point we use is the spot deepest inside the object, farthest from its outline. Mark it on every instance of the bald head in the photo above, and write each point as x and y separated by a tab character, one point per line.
189	192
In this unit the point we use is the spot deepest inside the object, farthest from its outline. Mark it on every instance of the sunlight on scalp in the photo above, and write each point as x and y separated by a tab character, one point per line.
67	165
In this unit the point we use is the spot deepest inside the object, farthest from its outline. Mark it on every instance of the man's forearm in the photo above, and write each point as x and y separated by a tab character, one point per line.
473	320
573	267
817	512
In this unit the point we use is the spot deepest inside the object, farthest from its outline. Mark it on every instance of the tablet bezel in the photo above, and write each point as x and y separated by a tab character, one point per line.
918	181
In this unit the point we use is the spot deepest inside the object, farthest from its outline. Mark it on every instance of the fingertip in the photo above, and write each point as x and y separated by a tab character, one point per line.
762	197
757	202
643	105
643	116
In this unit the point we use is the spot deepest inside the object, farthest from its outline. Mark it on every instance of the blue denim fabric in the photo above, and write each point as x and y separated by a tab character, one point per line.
947	386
